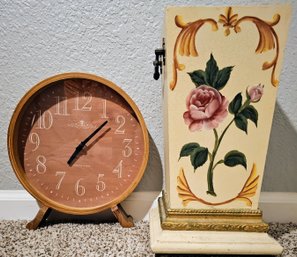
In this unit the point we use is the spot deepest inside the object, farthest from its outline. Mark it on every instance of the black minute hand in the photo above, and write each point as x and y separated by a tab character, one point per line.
82	144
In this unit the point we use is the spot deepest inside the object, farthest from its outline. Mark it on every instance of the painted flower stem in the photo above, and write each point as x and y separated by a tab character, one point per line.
212	156
211	166
210	190
219	162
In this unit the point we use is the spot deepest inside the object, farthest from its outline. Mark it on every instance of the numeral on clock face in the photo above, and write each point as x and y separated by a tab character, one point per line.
34	139
127	150
40	166
80	190
60	174
104	106
61	106
100	186
83	103
120	119
44	120
118	169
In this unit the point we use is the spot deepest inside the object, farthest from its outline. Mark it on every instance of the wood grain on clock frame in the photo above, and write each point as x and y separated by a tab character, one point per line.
15	158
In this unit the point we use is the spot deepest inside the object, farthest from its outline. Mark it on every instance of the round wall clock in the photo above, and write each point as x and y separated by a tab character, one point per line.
79	145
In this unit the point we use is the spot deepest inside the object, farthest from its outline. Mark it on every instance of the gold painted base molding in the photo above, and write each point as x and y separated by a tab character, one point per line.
210	220
209	242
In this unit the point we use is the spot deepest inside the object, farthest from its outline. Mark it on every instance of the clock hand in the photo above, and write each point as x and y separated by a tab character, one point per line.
82	144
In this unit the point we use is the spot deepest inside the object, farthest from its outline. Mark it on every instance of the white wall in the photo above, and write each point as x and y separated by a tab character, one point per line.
116	40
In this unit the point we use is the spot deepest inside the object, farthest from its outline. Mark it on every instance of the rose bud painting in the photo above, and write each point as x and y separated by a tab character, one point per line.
255	93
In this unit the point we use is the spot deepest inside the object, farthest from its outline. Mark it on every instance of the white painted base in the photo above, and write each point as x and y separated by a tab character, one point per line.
209	242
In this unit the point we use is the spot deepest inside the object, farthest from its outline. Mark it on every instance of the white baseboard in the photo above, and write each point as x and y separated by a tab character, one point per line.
279	206
276	206
17	204
20	205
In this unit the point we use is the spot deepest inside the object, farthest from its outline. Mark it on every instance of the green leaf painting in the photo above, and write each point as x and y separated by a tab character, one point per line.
198	77
188	149
234	158
250	113
222	77
212	76
235	104
198	154
241	122
207	108
199	157
211	71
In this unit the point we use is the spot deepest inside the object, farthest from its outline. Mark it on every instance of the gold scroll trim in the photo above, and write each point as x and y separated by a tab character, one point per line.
210	220
247	192
185	43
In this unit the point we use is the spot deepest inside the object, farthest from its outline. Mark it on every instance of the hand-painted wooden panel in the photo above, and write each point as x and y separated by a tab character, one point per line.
222	75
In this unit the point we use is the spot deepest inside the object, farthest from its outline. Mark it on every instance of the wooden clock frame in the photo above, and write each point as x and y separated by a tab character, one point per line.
46	204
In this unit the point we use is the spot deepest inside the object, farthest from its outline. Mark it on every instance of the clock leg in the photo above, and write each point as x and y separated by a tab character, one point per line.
42	214
124	219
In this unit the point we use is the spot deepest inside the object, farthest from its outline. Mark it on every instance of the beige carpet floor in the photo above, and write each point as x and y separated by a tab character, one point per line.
100	240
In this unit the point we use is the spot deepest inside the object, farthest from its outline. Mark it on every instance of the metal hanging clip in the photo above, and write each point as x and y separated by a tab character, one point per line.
159	61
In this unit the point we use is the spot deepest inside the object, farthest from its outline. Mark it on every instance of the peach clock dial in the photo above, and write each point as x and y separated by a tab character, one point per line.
78	143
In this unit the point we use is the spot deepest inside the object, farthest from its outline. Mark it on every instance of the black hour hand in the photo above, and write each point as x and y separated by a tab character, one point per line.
78	149
82	144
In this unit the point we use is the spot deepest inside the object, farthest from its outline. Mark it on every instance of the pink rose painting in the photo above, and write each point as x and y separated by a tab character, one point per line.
207	108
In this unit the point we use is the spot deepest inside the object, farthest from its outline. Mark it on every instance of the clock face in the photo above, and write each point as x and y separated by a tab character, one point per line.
60	116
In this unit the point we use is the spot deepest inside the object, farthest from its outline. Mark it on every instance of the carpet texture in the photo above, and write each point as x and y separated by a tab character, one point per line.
94	240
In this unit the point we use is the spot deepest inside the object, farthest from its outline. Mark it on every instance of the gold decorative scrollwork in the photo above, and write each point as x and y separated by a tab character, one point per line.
185	41
261	227
248	190
247	220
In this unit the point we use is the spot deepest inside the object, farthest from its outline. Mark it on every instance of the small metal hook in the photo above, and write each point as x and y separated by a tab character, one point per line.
159	61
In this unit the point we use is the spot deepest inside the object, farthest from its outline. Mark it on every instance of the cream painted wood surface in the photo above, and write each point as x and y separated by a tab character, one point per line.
263	29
